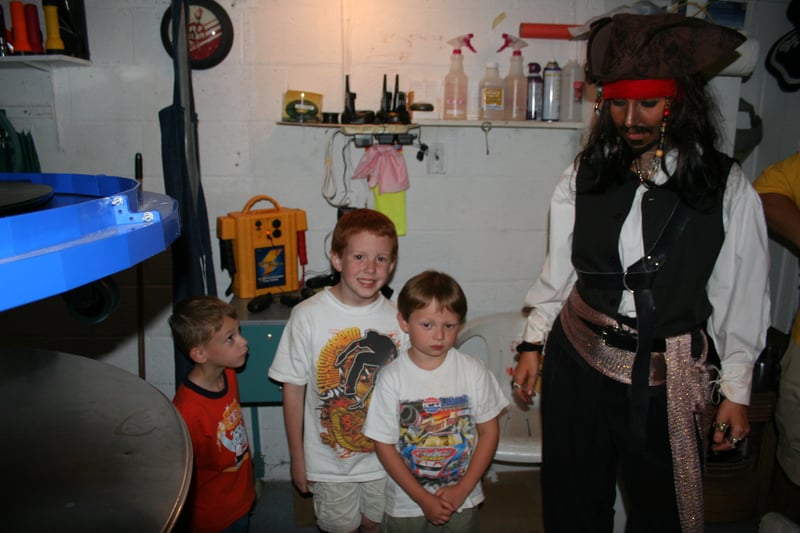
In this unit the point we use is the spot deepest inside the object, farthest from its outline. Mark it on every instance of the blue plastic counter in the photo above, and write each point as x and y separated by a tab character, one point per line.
92	227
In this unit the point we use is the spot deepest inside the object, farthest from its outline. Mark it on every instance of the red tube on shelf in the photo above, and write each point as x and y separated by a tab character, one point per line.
33	28
19	28
535	30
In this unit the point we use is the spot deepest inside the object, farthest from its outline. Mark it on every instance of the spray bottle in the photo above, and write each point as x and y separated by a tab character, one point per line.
516	84
455	83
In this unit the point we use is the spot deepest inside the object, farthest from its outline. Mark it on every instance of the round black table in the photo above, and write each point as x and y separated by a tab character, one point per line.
86	446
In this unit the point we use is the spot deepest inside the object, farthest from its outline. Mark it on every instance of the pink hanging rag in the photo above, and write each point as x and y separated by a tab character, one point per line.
383	165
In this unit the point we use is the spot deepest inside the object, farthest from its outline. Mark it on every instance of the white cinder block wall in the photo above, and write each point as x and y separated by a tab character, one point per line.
483	221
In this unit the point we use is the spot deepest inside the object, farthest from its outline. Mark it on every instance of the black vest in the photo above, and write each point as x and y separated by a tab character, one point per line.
679	289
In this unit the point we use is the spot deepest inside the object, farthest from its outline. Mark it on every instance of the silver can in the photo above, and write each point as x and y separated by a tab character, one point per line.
551	104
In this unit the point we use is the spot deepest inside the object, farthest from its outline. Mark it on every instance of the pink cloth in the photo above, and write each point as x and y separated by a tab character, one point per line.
383	165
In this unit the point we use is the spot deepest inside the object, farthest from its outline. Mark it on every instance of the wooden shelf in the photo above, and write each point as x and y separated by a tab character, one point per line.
355	129
521	124
42	62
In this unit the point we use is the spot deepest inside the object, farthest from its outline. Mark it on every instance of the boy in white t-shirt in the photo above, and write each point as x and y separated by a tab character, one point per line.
433	415
333	345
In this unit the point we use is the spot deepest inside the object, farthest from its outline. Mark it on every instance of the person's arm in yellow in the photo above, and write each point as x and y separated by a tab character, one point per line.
783	216
437	511
488	436
293	405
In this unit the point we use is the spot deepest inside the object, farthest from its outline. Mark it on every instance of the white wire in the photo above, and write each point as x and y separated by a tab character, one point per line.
329	189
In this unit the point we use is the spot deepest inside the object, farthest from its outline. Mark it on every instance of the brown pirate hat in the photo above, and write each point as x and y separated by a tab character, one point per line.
661	46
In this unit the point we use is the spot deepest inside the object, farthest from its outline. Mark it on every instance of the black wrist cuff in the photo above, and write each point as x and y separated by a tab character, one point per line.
525	346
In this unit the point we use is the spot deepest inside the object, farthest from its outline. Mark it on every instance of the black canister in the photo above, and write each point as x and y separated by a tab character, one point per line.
533	109
3	44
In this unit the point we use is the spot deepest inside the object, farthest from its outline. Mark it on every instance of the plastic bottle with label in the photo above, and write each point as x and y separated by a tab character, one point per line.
516	84
491	96
455	82
572	86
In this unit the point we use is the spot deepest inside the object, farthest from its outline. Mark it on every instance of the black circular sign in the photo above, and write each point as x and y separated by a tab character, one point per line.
209	30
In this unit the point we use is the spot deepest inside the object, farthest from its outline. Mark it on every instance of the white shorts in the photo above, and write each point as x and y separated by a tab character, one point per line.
338	507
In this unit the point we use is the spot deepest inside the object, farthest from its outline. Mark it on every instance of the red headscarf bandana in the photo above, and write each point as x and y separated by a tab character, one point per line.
639	89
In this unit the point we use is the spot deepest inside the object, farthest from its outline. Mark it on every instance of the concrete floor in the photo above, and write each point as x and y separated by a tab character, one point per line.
276	511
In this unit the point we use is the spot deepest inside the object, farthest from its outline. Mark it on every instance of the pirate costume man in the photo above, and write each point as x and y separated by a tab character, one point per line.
657	253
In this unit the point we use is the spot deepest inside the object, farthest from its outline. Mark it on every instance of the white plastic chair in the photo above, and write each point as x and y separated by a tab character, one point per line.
520	425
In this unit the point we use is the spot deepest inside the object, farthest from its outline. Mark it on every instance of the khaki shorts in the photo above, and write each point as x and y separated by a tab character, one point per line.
787	413
464	521
338	506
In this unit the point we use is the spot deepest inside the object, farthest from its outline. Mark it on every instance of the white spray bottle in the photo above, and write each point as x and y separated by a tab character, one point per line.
515	95
455	82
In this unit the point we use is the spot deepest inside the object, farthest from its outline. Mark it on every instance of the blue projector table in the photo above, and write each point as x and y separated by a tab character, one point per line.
92	227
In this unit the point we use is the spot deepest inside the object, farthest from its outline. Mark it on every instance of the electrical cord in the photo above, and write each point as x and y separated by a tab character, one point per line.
329	189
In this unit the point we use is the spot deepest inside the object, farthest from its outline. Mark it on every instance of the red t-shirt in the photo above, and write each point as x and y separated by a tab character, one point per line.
223	484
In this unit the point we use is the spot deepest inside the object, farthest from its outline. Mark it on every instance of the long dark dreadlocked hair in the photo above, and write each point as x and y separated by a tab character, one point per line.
692	130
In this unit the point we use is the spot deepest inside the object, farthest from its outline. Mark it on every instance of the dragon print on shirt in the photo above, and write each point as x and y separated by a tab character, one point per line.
346	371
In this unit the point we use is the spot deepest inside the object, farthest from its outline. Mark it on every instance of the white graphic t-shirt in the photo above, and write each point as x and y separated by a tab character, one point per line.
336	350
431	417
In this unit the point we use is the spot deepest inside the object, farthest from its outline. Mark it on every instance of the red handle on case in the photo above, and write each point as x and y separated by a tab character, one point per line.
301	247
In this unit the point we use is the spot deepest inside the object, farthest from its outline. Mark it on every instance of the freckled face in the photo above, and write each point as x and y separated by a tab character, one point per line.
638	121
365	265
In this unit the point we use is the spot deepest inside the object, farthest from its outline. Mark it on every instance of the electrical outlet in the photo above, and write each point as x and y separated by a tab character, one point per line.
436	159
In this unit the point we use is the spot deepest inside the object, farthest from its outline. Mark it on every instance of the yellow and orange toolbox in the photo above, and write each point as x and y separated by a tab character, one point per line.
263	249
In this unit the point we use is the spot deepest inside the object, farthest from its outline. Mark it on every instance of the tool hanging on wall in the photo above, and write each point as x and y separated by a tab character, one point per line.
140	280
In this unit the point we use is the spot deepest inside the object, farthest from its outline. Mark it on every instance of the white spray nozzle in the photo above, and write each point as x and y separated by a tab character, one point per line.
462	40
514	42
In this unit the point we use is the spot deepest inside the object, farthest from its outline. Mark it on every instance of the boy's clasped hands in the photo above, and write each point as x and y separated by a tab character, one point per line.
444	502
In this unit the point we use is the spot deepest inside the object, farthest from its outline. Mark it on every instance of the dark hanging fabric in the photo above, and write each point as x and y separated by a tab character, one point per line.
17	149
192	260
